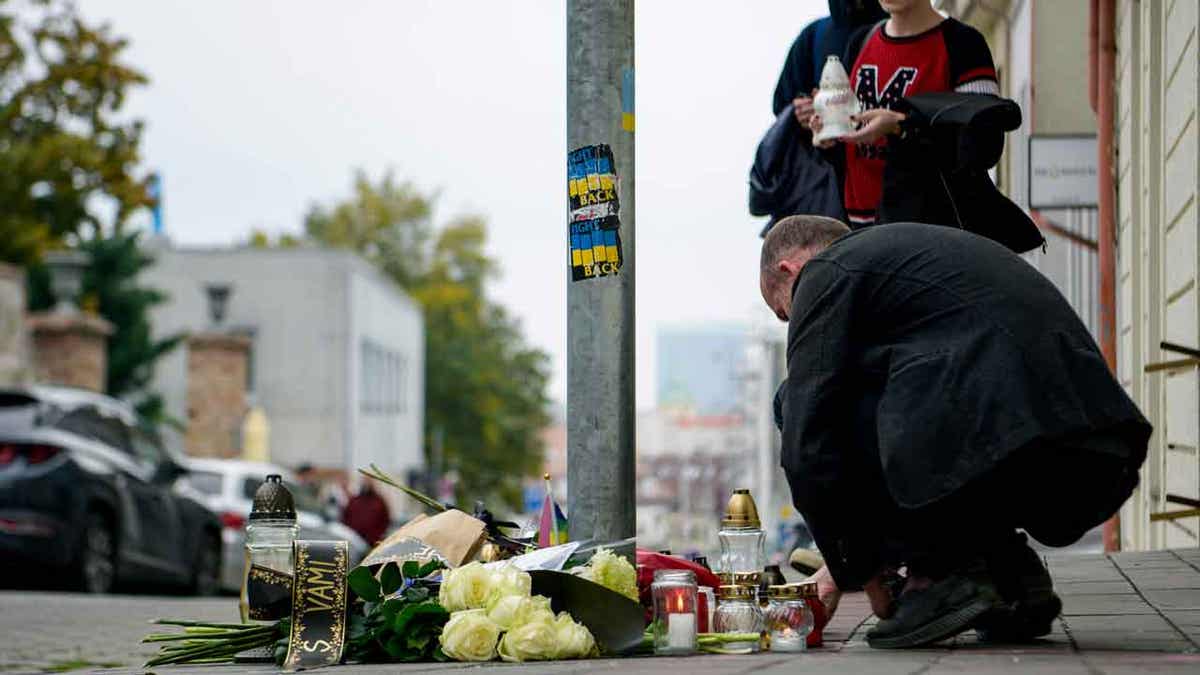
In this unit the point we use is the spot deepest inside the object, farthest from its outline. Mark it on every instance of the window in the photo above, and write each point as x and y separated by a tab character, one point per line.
382	380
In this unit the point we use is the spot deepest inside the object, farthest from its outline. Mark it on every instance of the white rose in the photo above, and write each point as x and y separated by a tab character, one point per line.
503	609
510	580
533	641
574	640
470	636
613	572
467	587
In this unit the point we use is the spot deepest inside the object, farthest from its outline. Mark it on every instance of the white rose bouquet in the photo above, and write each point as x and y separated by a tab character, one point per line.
493	613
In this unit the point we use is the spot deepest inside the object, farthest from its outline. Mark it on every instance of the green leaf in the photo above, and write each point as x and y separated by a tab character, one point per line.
426	612
395	647
364	584
411	567
356	627
390	579
417	642
389	609
429	568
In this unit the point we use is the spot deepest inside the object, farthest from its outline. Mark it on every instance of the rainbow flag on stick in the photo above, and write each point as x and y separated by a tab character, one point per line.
552	528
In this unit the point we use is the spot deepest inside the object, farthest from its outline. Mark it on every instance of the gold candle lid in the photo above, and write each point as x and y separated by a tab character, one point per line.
735	592
741	511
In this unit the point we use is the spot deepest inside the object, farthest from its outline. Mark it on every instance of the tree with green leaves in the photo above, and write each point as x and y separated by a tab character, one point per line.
485	388
69	176
66	153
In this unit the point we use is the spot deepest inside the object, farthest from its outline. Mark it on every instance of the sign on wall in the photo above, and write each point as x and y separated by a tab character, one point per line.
1063	172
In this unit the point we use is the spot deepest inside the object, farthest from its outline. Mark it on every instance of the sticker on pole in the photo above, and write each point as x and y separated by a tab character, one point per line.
595	229
595	248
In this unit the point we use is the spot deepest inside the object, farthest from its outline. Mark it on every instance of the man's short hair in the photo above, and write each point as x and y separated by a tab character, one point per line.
795	233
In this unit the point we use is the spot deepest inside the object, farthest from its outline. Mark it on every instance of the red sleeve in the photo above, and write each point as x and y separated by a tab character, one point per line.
970	58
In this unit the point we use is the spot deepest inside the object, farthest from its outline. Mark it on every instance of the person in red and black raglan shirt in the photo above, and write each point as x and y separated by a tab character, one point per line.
916	50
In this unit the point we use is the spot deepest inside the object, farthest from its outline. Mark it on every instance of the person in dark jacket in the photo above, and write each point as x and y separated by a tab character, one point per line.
824	37
941	395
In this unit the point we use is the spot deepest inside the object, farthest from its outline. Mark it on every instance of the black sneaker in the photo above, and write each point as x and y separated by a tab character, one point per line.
1030	603
943	610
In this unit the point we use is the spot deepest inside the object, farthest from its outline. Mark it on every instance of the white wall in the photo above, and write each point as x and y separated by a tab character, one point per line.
310	309
291	300
391	435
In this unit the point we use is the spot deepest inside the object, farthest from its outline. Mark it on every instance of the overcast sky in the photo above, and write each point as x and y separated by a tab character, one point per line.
256	109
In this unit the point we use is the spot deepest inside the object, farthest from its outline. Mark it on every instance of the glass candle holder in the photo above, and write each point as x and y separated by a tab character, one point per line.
675	612
738	612
788	619
743	553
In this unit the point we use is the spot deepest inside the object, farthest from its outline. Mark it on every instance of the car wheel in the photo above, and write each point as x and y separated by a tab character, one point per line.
206	576
96	566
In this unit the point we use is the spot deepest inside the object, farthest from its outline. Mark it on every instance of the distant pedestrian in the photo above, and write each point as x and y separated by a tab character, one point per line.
367	514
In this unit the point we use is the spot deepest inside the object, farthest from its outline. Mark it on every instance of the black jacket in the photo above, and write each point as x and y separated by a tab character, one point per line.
937	173
790	176
962	353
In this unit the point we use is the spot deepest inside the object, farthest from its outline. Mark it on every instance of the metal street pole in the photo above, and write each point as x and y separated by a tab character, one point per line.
600	280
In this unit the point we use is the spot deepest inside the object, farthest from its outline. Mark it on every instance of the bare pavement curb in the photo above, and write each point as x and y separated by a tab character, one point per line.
1128	612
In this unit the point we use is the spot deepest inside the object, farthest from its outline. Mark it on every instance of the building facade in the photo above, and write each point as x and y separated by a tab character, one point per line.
1040	48
700	367
1157	257
336	358
1052	58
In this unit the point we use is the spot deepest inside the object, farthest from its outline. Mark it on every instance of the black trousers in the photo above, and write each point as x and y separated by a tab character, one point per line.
1056	490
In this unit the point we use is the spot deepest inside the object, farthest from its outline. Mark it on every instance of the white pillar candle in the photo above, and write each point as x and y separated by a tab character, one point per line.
681	631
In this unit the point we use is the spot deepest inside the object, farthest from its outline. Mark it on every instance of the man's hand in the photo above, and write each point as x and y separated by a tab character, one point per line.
880	596
827	590
875	124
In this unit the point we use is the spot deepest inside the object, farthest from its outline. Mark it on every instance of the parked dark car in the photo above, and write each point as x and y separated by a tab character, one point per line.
89	498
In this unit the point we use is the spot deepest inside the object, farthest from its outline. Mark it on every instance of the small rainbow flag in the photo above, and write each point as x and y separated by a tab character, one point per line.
552	529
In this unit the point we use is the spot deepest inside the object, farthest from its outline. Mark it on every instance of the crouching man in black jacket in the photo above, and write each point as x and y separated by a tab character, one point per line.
941	395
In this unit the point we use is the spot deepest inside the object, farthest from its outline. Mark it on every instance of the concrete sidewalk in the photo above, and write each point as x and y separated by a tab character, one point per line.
1131	612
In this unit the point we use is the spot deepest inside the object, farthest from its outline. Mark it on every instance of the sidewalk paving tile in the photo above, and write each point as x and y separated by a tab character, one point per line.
1103	604
1094	588
1175	599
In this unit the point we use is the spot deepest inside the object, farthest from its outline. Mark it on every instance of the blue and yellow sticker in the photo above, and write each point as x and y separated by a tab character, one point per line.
592	178
595	248
595	229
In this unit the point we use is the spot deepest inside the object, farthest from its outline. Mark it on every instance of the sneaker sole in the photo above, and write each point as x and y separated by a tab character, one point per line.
937	630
